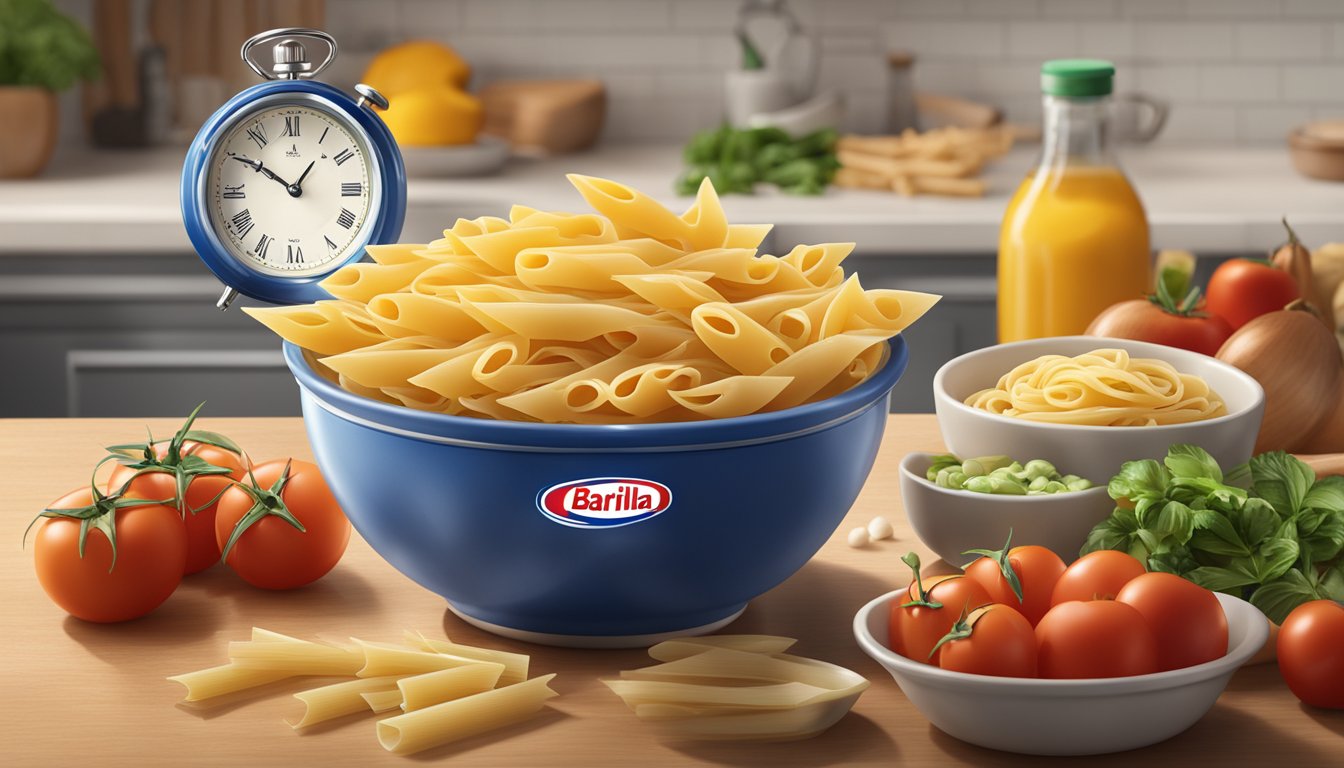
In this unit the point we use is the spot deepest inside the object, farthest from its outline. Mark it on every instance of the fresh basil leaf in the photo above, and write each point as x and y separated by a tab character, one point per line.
1327	493
1173	524
1220	537
1274	558
1202	518
1146	542
1255	521
1115	532
1320	532
1230	579
1177	560
1139	480
1282	480
1278	598
1331	583
1191	461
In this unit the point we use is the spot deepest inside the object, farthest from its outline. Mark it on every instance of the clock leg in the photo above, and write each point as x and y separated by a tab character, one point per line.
226	298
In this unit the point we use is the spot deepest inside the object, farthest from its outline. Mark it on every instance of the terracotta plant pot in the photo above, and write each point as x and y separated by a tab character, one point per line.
28	119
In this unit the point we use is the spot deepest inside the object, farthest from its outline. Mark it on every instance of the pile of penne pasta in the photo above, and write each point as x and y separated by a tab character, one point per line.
440	691
737	687
630	314
943	161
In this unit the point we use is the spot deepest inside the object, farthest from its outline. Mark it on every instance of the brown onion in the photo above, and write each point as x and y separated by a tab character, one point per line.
1297	362
1329	436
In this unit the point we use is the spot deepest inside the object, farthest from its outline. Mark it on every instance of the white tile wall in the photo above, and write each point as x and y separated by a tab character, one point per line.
1235	70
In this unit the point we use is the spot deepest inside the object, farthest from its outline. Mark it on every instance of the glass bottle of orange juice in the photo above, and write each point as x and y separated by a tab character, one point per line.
1075	238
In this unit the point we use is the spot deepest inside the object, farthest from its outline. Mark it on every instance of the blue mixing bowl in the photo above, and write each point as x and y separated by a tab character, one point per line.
606	535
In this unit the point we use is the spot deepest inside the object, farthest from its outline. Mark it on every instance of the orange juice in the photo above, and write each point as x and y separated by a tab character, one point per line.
1074	241
1075	238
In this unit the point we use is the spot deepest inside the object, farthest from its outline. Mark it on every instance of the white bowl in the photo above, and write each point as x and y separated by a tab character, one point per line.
951	522
1092	452
1064	717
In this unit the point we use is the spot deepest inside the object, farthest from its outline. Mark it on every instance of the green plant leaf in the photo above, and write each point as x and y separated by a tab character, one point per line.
215	439
1229	580
1177	560
1327	493
1278	598
1137	480
1115	532
1255	520
1273	559
1282	480
1320	532
1173	524
1191	461
1220	537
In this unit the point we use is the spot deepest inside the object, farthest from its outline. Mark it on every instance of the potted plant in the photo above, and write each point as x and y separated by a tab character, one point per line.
42	52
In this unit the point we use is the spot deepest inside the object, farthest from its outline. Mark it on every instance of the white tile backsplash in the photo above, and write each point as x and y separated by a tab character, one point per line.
1234	70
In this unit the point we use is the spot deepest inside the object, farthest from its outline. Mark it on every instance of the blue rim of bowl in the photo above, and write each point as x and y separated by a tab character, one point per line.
939	392
905	470
676	436
1227	664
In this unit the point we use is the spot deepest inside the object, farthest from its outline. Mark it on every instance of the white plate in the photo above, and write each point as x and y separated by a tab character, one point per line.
482	158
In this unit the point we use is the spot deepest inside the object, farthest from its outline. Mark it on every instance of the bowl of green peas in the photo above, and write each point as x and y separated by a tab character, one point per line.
957	504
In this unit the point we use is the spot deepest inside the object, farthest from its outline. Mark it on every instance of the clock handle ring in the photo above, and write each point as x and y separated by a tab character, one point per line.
289	59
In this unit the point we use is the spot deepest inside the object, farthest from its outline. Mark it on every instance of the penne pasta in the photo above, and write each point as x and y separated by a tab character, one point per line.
420	691
457	719
332	701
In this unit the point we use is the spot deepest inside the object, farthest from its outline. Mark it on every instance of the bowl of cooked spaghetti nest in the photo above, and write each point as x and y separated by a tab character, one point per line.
597	428
1091	404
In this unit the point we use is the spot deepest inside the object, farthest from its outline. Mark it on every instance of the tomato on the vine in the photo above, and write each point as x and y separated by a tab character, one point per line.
105	558
928	611
1021	577
281	528
992	640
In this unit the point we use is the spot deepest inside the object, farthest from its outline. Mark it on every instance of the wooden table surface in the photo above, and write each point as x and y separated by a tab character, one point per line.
79	693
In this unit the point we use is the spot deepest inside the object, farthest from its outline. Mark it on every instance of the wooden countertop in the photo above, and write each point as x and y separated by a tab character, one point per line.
96	694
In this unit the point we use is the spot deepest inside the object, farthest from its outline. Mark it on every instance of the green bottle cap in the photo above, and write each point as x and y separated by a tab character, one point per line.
1077	77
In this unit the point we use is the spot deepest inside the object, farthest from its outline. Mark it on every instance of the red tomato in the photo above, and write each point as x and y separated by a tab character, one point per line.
150	551
1096	576
269	550
1311	653
995	640
1097	638
1036	569
1241	290
202	551
1143	320
1186	618
915	627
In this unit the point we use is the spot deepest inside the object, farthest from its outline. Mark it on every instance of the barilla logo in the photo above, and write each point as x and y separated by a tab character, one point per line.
604	502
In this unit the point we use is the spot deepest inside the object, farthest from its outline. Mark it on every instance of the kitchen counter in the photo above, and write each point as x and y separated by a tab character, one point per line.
1217	200
81	693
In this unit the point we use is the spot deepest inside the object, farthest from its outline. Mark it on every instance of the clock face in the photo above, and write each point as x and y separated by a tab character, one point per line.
289	189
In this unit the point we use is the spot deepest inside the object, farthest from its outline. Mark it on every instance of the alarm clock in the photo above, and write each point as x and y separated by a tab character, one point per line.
291	178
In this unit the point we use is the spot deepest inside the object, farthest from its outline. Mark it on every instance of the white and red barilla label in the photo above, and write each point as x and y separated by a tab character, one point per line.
604	502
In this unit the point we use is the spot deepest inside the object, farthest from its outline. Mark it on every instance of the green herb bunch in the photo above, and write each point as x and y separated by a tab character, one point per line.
736	159
40	46
1268	531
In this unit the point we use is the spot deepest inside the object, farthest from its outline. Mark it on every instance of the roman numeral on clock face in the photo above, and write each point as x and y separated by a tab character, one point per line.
343	155
293	254
346	219
262	245
324	134
257	133
291	126
351	189
234	193
330	245
242	223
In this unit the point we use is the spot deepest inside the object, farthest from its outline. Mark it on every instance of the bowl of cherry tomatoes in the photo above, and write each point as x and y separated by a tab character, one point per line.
1021	654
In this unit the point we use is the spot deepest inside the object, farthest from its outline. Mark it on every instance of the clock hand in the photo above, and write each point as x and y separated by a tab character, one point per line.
257	166
296	189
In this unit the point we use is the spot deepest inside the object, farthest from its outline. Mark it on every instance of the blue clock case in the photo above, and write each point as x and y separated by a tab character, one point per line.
386	228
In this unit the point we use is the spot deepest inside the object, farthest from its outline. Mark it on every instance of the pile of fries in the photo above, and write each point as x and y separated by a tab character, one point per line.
944	161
